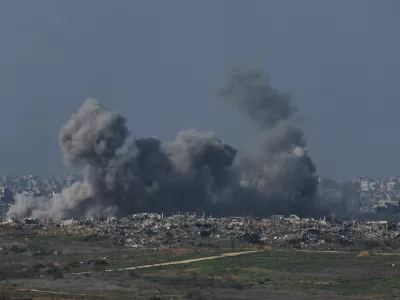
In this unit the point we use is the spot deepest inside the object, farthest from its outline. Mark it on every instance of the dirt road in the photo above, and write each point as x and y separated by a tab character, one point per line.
179	262
187	261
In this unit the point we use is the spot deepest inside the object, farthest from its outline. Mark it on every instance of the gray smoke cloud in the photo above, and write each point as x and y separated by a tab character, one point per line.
69	202
195	172
281	166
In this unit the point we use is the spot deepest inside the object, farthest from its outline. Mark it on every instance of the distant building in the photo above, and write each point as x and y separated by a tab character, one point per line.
277	217
372	185
386	205
3	215
364	184
390	185
68	180
2	191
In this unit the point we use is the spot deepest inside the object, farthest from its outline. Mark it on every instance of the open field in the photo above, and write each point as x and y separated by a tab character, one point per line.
34	266
74	263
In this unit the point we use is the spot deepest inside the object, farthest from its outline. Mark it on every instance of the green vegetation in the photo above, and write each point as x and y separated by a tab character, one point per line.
34	261
337	273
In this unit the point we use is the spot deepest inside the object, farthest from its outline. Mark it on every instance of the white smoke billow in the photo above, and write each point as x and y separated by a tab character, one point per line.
195	172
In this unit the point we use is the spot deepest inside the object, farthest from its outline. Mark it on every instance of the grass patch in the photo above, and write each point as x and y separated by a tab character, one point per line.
339	273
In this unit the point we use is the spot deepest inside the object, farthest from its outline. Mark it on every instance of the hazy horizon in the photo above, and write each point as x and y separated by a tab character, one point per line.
158	64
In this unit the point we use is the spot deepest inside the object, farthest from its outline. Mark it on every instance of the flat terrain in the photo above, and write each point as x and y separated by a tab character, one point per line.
45	267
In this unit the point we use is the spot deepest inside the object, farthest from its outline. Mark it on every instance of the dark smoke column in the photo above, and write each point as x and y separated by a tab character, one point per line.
195	172
92	135
281	169
92	138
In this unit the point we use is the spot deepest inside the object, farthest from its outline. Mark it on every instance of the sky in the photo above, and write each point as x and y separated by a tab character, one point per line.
159	62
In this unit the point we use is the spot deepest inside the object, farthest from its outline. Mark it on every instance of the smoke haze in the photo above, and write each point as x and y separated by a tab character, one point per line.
195	172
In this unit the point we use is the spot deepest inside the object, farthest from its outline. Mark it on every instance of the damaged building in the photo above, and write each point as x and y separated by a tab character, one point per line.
156	230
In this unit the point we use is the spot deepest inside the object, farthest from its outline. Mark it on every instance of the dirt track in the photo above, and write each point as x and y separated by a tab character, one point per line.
109	293
187	261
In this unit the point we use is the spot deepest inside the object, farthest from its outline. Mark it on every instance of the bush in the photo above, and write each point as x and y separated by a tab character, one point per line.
37	267
370	243
195	294
54	272
232	243
134	274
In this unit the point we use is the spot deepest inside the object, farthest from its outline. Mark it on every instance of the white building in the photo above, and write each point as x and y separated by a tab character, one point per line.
390	185
364	183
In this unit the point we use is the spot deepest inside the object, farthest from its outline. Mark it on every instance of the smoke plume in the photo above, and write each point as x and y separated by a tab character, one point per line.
195	172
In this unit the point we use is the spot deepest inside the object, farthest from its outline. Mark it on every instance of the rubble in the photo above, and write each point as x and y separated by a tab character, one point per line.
155	230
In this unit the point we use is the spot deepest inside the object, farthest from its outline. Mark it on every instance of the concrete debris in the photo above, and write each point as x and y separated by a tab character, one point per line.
155	230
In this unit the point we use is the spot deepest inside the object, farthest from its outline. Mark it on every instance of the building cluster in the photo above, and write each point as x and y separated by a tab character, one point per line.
35	185
31	185
377	194
364	195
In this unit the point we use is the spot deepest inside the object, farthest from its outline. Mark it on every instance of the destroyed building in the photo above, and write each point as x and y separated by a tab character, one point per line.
155	230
